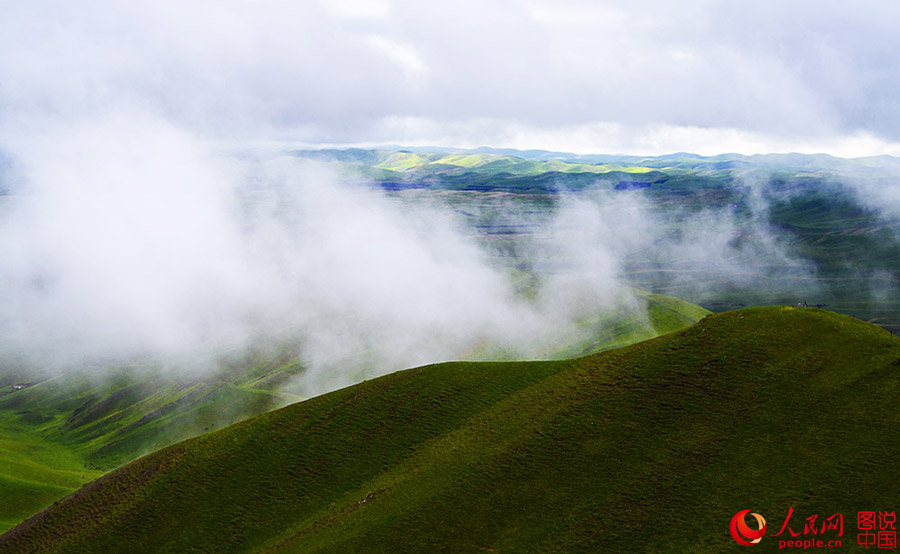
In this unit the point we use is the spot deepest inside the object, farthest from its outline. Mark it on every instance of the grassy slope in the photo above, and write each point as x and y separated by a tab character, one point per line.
64	432
35	472
665	314
423	163
650	447
471	171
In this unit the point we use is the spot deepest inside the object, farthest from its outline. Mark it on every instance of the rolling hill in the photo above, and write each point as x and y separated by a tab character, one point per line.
58	433
832	217
649	447
479	171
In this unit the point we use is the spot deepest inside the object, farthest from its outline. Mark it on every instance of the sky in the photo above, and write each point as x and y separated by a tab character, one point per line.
639	77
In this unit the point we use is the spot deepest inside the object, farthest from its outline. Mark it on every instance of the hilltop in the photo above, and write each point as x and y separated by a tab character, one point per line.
653	446
59	432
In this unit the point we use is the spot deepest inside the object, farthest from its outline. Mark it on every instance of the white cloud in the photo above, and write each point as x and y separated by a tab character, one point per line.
358	9
569	15
616	138
798	73
403	54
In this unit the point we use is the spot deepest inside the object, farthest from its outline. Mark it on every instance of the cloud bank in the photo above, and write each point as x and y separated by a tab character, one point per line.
127	238
628	77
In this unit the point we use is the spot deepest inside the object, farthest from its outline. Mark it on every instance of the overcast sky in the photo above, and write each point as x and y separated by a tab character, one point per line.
610	77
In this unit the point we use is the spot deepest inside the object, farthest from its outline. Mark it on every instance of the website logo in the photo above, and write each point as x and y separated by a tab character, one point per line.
743	533
875	528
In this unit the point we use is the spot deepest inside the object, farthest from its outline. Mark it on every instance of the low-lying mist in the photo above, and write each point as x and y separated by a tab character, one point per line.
126	238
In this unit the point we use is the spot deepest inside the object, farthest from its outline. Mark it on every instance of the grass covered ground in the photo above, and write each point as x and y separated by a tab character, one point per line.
664	314
58	434
650	447
35	472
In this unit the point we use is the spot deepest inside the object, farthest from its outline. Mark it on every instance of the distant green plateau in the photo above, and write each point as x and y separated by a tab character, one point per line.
650	447
830	215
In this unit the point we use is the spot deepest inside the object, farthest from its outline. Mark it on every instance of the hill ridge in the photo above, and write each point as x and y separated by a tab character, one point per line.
528	456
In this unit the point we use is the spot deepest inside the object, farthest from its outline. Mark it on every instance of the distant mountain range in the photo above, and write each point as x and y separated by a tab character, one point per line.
838	217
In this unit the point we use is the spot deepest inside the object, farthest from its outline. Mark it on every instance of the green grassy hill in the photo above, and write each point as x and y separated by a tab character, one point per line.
650	447
664	314
61	432
58	434
819	209
477	171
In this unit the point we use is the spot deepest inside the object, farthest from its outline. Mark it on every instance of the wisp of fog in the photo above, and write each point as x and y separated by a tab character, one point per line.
126	238
129	231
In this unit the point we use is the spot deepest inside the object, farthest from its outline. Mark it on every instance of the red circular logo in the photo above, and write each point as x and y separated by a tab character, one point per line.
742	533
